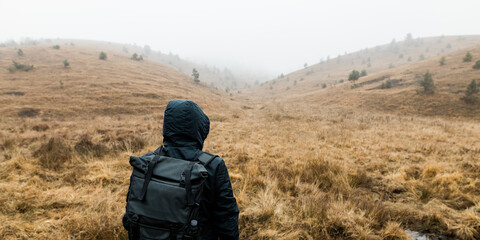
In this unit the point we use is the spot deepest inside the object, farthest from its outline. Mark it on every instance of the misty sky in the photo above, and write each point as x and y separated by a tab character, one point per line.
270	36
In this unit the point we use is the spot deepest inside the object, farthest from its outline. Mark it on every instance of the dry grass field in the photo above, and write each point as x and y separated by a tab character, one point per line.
309	169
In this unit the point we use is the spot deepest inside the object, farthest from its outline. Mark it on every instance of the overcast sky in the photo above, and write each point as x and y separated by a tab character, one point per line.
272	36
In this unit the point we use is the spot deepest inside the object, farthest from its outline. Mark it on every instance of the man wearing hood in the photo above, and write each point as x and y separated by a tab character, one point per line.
185	128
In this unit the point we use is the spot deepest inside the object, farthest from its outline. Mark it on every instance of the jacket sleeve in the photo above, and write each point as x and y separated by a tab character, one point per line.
225	205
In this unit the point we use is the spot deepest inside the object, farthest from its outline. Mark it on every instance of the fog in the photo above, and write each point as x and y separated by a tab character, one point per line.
265	37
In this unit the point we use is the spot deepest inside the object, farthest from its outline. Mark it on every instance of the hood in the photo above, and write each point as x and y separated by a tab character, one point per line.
185	125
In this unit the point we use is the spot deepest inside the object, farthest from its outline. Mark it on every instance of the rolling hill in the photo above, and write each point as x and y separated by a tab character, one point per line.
405	95
221	78
117	85
450	79
372	60
305	163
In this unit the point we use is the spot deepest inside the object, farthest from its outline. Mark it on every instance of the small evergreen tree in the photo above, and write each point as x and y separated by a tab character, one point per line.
20	52
354	75
442	61
477	65
102	56
363	73
56	47
196	76
66	64
324	85
471	93
427	83
468	57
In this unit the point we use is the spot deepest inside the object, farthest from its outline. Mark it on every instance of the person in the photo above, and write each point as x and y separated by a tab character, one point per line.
185	128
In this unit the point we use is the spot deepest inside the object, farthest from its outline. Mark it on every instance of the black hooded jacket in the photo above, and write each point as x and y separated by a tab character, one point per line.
185	128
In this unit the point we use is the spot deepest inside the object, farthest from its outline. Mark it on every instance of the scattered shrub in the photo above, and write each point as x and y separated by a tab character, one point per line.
56	47
102	56
409	59
471	93
66	64
20	52
54	154
324	85
20	67
363	73
468	57
427	83
386	84
136	57
442	61
354	75
391	66
477	65
421	57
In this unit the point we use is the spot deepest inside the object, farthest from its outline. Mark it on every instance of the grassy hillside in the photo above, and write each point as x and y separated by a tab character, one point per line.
315	165
214	76
372	60
406	94
117	85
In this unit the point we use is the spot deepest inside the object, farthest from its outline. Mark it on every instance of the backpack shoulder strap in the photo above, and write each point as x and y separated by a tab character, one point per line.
205	158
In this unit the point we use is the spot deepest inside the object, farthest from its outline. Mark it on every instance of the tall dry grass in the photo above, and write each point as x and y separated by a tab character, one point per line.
299	171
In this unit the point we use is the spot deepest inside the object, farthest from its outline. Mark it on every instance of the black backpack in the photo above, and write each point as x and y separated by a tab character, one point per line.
163	198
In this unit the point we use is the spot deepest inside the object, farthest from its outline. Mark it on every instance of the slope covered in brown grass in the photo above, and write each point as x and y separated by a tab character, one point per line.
372	60
406	94
90	86
219	77
318	168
